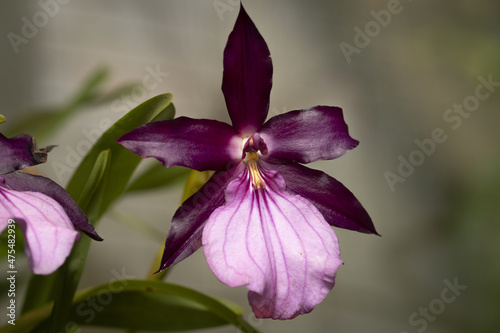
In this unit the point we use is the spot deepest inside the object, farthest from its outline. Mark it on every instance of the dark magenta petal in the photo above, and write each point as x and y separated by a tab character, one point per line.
184	234
334	201
304	136
19	153
24	182
247	78
199	144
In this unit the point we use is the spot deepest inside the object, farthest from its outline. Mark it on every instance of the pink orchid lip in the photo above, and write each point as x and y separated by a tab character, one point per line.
48	231
276	244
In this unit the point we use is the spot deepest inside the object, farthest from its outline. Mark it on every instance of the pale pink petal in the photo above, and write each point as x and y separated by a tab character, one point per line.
276	244
49	233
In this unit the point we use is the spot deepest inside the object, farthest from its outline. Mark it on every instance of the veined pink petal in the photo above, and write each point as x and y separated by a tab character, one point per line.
276	244
24	182
49	233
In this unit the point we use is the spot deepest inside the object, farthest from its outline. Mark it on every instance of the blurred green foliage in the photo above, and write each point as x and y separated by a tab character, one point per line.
44	123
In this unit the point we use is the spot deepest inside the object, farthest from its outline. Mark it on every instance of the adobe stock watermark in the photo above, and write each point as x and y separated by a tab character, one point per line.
11	271
223	6
31	26
152	79
363	38
428	314
89	308
453	117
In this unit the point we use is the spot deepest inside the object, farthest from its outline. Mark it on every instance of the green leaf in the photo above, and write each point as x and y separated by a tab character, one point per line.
70	272
40	290
95	178
158	176
2	119
141	305
28	321
158	306
123	162
119	169
151	311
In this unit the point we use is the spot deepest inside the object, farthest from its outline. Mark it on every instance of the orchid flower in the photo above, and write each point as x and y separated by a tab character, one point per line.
45	212
263	218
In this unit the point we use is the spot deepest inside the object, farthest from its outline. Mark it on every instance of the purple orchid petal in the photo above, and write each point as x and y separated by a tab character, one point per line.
20	152
247	77
49	233
276	244
336	203
184	234
199	144
25	182
304	136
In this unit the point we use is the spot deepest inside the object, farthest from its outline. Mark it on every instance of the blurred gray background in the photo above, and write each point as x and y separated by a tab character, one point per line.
439	222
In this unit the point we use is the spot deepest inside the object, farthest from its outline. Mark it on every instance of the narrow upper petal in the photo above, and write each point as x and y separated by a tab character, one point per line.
304	136
184	234
25	182
48	231
276	244
20	152
247	77
335	202
199	144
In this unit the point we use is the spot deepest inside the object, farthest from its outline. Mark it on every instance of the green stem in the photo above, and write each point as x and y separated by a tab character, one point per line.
72	270
40	291
67	283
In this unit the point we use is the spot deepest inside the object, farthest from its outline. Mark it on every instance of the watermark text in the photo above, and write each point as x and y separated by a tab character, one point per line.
11	272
